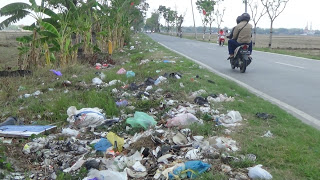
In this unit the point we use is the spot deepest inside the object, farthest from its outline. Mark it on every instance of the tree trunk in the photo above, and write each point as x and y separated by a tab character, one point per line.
254	35
270	37
210	32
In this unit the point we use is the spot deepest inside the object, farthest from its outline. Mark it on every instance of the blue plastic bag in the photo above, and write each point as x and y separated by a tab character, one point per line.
102	145
192	168
130	74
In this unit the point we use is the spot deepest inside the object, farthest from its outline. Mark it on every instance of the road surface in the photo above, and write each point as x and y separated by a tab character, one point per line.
290	82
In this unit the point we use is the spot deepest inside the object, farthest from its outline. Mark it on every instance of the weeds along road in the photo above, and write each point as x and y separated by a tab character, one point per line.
290	82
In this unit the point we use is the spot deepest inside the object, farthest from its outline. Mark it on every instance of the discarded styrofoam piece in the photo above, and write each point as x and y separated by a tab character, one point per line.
97	81
75	166
139	167
106	175
135	174
226	143
70	132
85	117
23	130
193	154
268	134
179	139
257	172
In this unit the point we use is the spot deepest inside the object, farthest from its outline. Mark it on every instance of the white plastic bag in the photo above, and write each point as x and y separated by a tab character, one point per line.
85	117
96	81
257	172
106	175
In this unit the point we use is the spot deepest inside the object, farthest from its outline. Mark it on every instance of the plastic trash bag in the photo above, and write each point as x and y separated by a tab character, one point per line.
85	117
257	172
106	175
182	120
141	119
96	81
130	74
102	145
116	141
70	132
191	169
121	71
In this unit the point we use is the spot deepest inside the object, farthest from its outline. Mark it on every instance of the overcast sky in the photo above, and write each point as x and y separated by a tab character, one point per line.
296	15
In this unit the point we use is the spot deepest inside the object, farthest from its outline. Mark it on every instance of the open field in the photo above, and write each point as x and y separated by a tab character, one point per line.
8	48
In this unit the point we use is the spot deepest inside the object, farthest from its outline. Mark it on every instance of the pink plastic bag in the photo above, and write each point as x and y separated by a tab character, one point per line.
182	120
121	71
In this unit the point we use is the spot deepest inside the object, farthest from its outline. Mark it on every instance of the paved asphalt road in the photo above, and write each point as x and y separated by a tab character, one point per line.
284	80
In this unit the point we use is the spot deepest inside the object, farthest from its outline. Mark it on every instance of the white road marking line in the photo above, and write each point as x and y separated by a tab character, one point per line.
290	65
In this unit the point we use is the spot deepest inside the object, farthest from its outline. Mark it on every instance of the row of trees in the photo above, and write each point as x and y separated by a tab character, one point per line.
65	27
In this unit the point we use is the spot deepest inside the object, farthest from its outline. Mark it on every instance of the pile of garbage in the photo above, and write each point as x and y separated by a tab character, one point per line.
164	148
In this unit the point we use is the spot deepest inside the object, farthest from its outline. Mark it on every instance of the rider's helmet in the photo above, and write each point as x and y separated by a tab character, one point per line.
238	19
245	17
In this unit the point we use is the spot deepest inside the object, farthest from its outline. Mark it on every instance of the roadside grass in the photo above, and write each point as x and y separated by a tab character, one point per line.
292	153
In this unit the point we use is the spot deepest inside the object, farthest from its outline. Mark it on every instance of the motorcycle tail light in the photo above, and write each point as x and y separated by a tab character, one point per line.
245	47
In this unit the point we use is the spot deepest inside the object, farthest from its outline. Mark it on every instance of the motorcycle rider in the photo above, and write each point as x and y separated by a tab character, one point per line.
241	35
221	33
231	33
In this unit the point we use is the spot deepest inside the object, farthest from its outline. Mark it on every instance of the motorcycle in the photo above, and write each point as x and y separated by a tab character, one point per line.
241	58
221	40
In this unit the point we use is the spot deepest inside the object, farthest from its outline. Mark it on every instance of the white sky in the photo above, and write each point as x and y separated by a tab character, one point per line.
296	15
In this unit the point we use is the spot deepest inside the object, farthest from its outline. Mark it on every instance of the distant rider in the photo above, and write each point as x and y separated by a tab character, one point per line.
241	35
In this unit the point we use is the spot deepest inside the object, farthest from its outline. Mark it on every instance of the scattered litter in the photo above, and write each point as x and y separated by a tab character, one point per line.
179	139
264	116
11	121
268	134
121	71
130	74
159	80
116	141
144	61
97	81
257	172
23	130
85	117
75	166
225	143
190	169
70	132
141	119
122	103
58	73
193	154
181	85
102	145
200	100
106	175
182	120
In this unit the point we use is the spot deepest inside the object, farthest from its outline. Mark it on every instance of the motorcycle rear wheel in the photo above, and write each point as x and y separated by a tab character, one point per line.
243	66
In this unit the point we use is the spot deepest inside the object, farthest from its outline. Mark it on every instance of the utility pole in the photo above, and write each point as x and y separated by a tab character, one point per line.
245	3
194	22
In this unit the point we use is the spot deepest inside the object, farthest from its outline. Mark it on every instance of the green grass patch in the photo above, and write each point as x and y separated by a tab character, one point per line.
296	53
